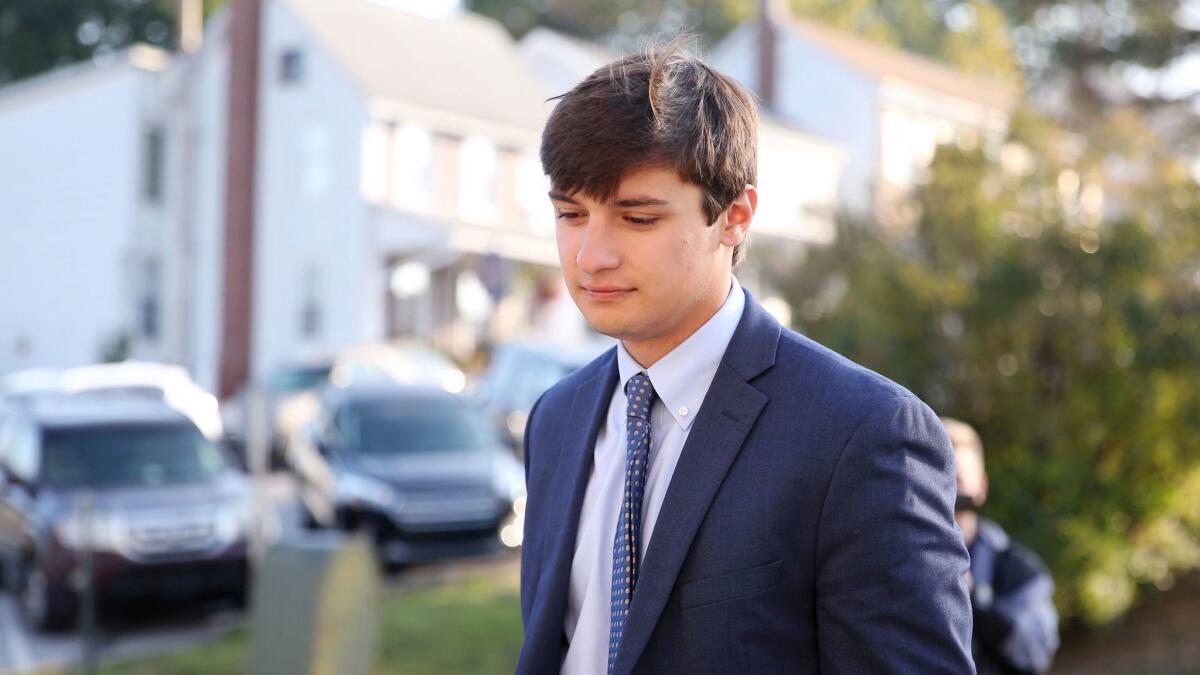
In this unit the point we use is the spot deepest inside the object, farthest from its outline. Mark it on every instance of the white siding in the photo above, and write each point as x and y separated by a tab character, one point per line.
69	185
819	94
311	217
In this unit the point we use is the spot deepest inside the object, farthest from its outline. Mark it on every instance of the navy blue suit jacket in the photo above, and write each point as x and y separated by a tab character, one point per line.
808	527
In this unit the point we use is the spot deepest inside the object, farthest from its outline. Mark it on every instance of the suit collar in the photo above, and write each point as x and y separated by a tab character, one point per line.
752	349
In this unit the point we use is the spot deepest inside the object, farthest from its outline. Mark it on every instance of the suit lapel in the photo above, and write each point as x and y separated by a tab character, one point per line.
578	432
730	409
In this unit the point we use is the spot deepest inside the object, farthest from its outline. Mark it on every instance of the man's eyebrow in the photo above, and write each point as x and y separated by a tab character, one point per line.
641	201
632	202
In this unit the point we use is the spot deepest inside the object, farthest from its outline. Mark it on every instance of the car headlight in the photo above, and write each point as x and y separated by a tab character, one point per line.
100	532
508	478
351	488
234	519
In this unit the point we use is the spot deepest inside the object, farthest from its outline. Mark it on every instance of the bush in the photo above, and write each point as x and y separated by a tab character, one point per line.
1055	304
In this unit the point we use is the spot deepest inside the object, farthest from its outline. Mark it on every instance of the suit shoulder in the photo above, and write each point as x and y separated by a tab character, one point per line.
841	393
829	371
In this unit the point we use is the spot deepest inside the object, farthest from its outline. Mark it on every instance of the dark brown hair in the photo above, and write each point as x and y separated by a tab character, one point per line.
661	107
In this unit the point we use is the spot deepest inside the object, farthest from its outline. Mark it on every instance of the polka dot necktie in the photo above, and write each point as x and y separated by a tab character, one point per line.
628	544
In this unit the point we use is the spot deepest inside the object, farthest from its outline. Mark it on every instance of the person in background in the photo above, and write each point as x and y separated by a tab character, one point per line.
1012	594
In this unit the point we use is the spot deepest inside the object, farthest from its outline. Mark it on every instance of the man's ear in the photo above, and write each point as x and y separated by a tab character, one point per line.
735	226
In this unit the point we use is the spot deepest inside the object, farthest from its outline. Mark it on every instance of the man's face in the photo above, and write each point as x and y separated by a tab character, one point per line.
972	481
646	266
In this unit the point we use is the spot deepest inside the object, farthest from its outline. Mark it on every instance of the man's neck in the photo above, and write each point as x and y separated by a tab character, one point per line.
649	352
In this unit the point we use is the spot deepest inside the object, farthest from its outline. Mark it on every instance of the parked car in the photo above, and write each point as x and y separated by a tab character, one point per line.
161	507
166	382
416	468
289	393
520	372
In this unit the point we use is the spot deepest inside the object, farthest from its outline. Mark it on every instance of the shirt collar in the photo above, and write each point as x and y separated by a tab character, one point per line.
681	378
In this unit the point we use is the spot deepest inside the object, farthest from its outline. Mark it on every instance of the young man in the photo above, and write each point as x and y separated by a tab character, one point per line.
717	494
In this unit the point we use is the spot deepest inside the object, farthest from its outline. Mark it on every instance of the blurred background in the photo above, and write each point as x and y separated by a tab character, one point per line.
279	286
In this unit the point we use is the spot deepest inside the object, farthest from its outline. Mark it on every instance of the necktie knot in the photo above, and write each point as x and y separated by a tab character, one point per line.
640	395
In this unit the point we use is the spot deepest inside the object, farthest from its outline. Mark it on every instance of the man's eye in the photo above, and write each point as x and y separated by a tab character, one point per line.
641	221
567	215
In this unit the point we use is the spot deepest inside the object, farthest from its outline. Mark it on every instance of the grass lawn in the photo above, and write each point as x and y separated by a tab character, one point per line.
470	625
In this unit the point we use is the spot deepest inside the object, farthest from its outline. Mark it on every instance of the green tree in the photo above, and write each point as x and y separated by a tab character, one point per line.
37	35
971	35
1091	47
1065	326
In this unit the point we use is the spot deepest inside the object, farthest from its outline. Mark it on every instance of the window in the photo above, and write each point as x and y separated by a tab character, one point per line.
478	173
373	178
531	188
130	455
291	66
411	427
152	178
412	167
310	311
21	454
148	306
7	422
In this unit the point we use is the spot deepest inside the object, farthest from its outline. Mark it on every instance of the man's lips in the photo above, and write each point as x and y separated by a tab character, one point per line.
606	292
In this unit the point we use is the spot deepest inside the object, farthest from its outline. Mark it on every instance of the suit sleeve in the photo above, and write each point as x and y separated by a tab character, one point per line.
891	565
527	559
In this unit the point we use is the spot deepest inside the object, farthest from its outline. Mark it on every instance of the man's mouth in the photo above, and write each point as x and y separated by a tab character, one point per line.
604	293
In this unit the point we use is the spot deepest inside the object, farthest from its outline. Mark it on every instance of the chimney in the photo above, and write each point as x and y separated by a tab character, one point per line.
767	13
240	144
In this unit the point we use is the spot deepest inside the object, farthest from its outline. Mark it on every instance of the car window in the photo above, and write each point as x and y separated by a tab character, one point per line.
538	377
5	423
408	427
299	379
21	455
129	455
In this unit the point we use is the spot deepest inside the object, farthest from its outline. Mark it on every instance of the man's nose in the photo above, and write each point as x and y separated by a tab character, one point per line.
597	248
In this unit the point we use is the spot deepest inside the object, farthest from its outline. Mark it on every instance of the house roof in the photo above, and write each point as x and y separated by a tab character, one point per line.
465	64
138	56
585	56
881	61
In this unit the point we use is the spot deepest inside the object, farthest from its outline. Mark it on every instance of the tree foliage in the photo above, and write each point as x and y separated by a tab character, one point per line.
37	35
1088	54
1058	309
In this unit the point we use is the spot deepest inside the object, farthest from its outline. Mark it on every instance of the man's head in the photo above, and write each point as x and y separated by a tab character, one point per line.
652	161
972	479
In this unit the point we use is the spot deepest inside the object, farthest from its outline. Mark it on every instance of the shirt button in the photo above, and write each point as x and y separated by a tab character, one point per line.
683	410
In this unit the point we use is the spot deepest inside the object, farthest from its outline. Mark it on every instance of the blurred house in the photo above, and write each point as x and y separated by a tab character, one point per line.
397	188
322	173
83	204
387	163
888	108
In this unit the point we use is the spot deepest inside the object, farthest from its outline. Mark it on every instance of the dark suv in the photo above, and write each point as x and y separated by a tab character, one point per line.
162	508
416	468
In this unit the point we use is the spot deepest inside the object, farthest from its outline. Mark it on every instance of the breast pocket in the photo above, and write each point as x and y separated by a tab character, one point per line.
729	585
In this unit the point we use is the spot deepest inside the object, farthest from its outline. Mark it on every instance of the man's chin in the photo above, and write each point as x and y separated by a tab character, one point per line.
612	326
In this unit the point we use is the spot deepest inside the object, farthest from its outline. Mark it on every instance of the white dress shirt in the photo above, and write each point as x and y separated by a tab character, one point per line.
681	380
